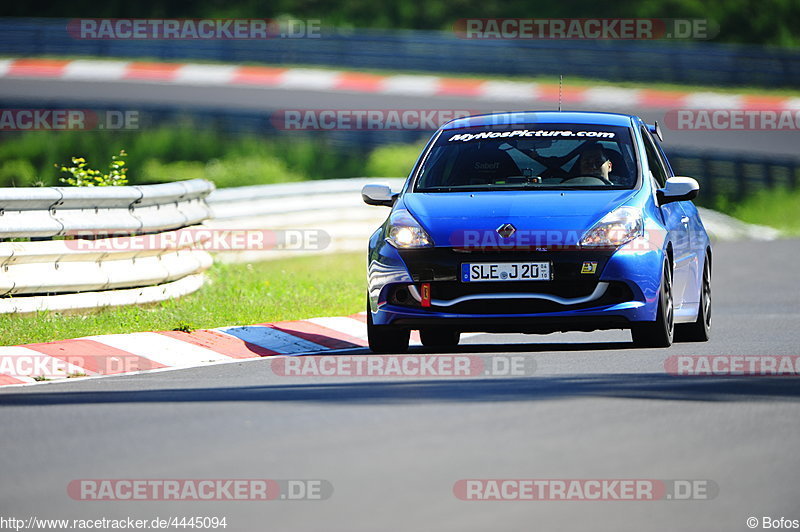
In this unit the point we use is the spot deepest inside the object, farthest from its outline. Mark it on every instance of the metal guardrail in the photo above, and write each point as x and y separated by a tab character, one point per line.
734	176
438	51
84	264
284	198
331	206
71	264
107	298
60	211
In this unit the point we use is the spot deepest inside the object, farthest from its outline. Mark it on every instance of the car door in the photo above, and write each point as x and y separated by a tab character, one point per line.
691	219
676	221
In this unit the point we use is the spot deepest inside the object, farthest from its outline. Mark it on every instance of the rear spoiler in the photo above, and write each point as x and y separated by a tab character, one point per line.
655	129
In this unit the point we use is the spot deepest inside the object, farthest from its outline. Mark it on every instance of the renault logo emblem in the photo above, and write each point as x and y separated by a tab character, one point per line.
506	230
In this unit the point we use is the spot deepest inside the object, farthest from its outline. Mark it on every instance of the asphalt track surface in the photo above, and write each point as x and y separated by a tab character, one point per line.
140	96
393	448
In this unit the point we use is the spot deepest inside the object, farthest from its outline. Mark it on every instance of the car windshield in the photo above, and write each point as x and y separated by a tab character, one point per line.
552	156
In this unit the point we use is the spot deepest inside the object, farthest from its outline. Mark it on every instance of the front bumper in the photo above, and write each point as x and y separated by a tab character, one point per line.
622	289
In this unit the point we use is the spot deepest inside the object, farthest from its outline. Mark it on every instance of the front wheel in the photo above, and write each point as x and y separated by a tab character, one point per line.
385	338
700	330
658	333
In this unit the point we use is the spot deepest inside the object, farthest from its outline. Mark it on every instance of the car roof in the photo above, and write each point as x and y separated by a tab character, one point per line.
542	117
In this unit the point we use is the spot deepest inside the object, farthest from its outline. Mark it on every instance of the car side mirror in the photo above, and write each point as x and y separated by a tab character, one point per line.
678	189
378	195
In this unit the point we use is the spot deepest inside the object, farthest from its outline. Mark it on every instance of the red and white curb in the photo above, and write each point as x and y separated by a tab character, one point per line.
118	354
359	82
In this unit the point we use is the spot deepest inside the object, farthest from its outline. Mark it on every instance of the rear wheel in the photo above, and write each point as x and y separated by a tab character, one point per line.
700	330
385	338
439	337
658	333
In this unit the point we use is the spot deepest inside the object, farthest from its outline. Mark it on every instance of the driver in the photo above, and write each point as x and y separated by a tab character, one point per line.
594	162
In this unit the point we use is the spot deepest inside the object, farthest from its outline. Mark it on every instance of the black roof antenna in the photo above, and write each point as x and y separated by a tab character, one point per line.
560	83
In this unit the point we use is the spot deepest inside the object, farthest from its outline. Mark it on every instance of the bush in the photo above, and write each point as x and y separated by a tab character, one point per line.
263	159
17	173
394	160
229	172
157	171
81	175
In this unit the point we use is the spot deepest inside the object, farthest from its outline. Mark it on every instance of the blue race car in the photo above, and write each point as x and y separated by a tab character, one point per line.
539	222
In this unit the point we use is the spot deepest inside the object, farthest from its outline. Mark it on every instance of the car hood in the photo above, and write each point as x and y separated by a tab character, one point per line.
554	217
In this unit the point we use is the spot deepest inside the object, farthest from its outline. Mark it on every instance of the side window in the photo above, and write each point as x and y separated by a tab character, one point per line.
664	160
653	160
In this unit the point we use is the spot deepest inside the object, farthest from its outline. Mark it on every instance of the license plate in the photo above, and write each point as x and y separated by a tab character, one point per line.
505	271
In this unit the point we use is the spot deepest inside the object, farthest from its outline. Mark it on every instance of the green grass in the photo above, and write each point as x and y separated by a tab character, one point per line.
235	294
569	81
778	208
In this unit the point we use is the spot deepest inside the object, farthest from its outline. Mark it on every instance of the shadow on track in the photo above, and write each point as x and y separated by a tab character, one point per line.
628	386
527	347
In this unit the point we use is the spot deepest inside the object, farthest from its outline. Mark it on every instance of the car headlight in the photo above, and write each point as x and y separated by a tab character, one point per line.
405	232
616	228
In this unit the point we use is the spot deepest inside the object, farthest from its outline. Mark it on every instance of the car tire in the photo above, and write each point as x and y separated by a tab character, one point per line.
658	333
439	337
385	338
700	330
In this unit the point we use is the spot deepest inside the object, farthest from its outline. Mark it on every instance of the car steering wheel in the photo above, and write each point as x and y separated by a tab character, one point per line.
589	178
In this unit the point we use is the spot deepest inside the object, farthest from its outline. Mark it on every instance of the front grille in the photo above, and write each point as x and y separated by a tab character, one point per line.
454	289
617	292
